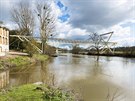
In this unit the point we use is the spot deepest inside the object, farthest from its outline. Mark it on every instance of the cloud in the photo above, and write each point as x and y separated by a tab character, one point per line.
126	42
118	30
89	14
65	30
122	35
75	19
101	16
6	7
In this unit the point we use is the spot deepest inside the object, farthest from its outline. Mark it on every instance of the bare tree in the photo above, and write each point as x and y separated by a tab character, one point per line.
96	39
46	21
100	42
23	16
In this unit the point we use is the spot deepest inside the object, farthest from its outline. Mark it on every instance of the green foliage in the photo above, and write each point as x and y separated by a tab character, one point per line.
18	61
21	61
40	57
32	92
56	95
22	93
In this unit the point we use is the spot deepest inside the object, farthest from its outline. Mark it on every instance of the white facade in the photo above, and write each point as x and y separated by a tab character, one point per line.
4	41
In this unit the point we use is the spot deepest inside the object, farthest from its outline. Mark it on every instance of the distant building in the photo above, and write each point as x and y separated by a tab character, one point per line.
4	41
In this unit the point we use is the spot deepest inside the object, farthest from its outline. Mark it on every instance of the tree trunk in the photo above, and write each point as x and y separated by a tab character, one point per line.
97	54
43	46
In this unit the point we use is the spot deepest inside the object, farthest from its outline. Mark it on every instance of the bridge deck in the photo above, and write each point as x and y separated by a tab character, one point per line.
65	40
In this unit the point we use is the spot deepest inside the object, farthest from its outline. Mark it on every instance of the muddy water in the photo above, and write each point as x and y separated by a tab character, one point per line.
109	79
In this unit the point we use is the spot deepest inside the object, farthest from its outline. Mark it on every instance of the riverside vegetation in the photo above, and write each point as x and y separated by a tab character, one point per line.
19	61
31	92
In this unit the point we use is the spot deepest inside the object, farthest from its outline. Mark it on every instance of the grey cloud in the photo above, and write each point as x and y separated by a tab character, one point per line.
98	14
6	6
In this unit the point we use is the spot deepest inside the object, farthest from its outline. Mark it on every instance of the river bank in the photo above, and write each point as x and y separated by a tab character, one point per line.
128	52
115	54
29	91
11	61
17	62
36	92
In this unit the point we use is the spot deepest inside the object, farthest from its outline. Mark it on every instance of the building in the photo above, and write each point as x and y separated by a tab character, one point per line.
4	41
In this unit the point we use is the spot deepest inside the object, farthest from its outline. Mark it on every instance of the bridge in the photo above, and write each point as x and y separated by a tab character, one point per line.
106	45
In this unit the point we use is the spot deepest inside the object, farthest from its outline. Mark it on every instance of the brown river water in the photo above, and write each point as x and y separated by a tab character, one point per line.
109	79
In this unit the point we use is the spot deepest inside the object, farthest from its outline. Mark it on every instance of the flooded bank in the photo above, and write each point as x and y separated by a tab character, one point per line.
109	78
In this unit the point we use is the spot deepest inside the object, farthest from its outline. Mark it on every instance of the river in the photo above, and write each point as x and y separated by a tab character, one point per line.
109	79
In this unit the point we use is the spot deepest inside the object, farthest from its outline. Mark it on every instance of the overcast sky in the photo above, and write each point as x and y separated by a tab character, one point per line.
76	19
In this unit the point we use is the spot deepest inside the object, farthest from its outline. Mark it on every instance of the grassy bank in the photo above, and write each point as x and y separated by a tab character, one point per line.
33	92
18	61
38	57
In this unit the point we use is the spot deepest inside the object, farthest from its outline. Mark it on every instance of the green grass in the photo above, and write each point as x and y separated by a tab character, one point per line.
31	92
21	94
40	57
14	62
19	61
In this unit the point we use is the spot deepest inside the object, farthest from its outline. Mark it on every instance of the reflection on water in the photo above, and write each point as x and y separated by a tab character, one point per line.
109	79
93	79
31	74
